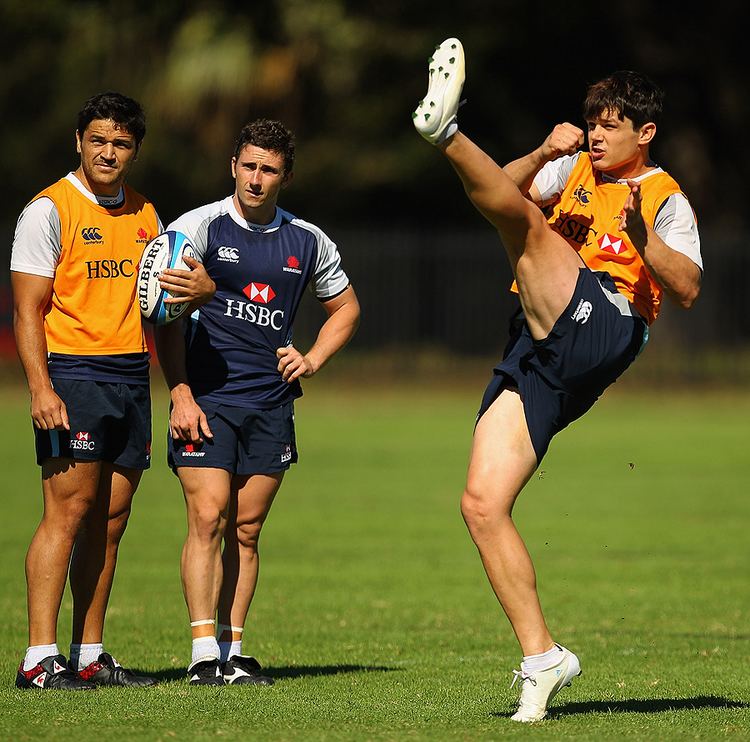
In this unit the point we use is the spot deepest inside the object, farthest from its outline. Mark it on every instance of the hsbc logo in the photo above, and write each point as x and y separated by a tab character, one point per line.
109	269
228	254
81	441
260	293
92	236
611	244
258	315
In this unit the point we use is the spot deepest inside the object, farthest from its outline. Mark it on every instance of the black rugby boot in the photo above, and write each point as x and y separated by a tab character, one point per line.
52	673
241	670
108	671
206	671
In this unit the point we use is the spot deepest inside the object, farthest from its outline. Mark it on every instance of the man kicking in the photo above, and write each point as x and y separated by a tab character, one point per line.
590	278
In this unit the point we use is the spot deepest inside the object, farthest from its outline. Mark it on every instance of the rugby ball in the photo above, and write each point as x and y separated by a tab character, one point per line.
164	251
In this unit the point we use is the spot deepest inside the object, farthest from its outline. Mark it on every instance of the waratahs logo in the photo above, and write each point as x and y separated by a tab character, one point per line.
292	265
92	236
143	236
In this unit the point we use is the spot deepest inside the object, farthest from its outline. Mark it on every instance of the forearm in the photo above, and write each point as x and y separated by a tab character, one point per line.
679	276
31	344
170	350
335	333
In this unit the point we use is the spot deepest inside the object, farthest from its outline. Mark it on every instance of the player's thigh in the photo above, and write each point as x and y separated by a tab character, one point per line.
69	487
117	486
206	490
502	456
253	496
546	274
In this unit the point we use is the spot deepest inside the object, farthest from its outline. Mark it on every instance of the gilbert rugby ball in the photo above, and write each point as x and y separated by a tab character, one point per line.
164	251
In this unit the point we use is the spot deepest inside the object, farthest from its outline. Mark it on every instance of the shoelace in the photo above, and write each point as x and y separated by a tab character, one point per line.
523	675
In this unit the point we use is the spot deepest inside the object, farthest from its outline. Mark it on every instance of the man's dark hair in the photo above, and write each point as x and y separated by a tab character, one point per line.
125	112
625	93
270	135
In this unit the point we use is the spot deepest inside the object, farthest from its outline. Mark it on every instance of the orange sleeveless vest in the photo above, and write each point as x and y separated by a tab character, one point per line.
588	215
94	308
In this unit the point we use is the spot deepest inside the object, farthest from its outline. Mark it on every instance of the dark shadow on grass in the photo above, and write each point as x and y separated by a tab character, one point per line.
306	671
167	675
643	706
298	671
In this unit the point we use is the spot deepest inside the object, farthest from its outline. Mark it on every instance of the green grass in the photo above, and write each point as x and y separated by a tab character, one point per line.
373	612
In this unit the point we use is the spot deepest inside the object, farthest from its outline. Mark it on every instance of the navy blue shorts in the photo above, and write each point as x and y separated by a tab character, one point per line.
559	378
244	441
108	422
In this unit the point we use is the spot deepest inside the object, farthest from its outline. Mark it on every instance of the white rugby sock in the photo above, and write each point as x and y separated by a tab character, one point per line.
35	654
205	646
82	655
538	662
229	649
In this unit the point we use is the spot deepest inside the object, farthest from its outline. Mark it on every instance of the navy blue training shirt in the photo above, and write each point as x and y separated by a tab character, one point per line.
261	272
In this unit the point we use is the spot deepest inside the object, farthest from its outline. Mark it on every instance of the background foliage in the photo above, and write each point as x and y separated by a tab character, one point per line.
345	75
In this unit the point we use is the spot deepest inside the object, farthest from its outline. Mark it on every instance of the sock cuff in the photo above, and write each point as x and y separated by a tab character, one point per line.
222	627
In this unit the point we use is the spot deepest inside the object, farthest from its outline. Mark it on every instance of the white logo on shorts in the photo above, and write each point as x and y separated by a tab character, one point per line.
287	455
583	312
81	441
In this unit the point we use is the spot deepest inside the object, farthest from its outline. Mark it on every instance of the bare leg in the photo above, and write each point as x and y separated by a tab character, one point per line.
502	461
545	266
92	567
69	490
252	500
207	494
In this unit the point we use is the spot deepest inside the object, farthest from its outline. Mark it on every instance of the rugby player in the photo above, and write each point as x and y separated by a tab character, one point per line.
78	331
233	375
590	274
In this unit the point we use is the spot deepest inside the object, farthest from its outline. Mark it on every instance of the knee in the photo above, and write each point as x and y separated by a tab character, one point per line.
248	535
474	508
206	523
481	509
70	518
116	525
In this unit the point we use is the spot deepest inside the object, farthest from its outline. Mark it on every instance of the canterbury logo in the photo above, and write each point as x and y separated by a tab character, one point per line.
91	234
228	254
582	312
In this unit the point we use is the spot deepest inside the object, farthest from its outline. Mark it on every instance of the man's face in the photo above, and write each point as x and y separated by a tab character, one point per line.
259	177
107	154
614	145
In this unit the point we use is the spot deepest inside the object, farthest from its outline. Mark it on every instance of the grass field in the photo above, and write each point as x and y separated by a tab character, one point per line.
373	612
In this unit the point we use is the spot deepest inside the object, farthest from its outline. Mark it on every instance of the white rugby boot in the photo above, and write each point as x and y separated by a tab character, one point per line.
435	118
539	688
